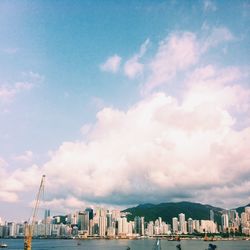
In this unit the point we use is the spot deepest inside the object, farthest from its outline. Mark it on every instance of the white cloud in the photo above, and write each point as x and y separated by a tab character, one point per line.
215	37
112	64
8	92
209	5
220	87
132	66
27	156
161	149
177	52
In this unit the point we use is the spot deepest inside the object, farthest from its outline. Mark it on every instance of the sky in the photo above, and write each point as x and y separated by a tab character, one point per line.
124	102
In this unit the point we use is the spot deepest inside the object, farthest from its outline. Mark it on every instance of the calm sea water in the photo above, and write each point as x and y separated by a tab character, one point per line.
123	244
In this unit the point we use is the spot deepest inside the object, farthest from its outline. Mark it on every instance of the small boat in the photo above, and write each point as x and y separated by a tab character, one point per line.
157	245
212	247
3	245
178	246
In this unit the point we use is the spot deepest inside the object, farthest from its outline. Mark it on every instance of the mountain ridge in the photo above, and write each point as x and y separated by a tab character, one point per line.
168	210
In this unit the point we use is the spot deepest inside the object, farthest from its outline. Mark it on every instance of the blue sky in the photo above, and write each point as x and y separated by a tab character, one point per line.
76	77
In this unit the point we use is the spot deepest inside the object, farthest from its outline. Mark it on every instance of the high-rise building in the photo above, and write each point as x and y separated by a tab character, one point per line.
196	224
46	214
211	215
190	226
150	228
91	213
208	226
139	225
182	224
102	226
224	221
83	220
175	225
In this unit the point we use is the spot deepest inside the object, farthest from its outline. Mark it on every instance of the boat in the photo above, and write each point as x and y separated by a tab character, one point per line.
212	247
178	246
157	245
3	245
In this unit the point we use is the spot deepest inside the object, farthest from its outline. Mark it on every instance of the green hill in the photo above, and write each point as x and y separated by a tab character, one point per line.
171	209
241	209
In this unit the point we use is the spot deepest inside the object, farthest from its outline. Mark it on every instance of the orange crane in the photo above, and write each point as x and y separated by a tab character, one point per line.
29	227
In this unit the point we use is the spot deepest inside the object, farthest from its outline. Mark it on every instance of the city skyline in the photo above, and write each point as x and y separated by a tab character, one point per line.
113	224
120	104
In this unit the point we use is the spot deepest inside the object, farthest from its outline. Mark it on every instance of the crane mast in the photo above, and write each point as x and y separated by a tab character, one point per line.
29	227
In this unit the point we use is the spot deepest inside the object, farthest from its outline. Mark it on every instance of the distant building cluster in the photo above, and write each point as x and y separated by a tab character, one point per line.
114	224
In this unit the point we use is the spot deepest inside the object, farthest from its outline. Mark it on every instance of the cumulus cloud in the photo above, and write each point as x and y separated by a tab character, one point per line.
112	64
132	66
180	51
162	148
177	52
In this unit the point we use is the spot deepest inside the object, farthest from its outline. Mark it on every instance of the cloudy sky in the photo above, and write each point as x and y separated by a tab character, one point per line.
124	102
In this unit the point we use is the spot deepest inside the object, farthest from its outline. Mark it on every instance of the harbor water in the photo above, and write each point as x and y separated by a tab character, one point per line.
146	244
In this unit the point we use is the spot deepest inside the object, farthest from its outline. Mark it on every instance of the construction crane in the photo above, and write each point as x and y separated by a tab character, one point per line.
29	227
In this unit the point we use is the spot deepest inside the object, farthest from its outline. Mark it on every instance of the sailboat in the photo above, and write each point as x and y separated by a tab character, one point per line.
157	245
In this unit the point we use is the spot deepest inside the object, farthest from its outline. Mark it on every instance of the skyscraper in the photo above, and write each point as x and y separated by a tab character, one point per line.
83	220
139	225
182	223
190	226
175	225
211	215
224	221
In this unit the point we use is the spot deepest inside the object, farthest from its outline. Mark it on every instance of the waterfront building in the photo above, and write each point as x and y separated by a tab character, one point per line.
175	225
245	221
150	228
224	221
83	221
182	224
139	225
164	228
102	225
111	232
190	226
208	226
11	229
122	227
130	228
196	224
